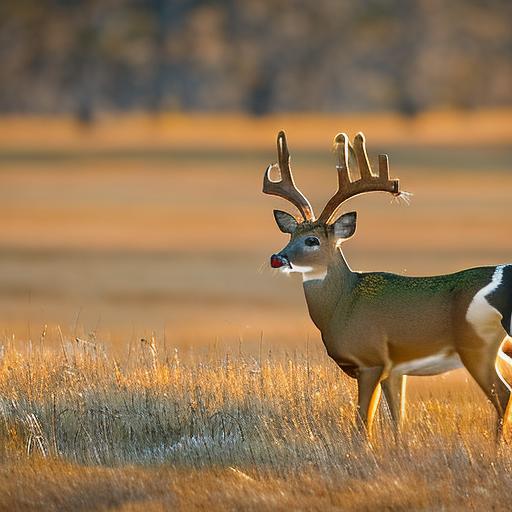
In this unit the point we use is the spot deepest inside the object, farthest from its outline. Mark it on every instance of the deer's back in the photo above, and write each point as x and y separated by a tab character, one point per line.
416	316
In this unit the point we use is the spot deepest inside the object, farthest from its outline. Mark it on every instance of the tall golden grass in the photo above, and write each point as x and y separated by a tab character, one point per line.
81	429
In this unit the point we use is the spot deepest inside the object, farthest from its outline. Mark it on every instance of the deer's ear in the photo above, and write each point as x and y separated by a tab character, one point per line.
345	226
285	222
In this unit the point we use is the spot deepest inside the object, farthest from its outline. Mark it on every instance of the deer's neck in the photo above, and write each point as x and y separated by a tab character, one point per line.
327	291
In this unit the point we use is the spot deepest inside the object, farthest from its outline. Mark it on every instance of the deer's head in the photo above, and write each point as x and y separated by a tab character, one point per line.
313	241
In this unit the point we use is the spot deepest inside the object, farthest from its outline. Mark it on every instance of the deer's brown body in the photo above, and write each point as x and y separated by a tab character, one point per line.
380	327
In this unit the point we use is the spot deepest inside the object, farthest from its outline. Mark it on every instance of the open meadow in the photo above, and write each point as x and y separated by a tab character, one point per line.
151	360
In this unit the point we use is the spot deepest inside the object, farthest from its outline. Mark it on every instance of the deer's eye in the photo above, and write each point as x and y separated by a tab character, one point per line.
312	241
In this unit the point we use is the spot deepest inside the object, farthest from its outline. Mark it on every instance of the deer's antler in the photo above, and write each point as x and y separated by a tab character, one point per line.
285	187
368	181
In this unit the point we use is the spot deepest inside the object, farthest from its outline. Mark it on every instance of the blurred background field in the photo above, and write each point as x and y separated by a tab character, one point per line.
139	224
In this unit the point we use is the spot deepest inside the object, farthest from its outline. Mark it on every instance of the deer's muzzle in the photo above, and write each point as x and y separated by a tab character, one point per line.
277	261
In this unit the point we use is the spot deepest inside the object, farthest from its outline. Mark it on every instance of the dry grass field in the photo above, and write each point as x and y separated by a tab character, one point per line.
81	430
156	230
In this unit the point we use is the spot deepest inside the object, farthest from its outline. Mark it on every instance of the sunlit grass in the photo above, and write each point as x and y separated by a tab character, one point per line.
277	425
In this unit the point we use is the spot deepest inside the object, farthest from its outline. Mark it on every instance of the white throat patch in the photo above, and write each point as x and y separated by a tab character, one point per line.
313	275
308	273
297	268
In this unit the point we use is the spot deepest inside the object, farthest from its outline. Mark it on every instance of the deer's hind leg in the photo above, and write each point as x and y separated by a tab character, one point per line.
481	364
394	392
487	324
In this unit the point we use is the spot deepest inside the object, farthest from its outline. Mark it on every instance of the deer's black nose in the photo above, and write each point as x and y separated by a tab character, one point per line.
277	261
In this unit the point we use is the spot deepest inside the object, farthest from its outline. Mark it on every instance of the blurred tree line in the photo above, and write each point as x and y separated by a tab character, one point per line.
259	56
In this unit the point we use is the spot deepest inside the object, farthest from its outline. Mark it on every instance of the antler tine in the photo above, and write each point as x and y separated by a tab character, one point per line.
384	170
368	181
286	187
363	164
341	148
283	155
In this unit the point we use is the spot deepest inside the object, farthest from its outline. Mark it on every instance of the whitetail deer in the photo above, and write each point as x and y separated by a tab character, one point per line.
380	327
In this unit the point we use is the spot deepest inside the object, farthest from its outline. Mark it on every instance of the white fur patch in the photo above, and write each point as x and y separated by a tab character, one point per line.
485	318
314	276
308	273
297	268
430	365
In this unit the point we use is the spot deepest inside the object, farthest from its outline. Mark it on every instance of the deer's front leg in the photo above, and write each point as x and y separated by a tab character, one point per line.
368	391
